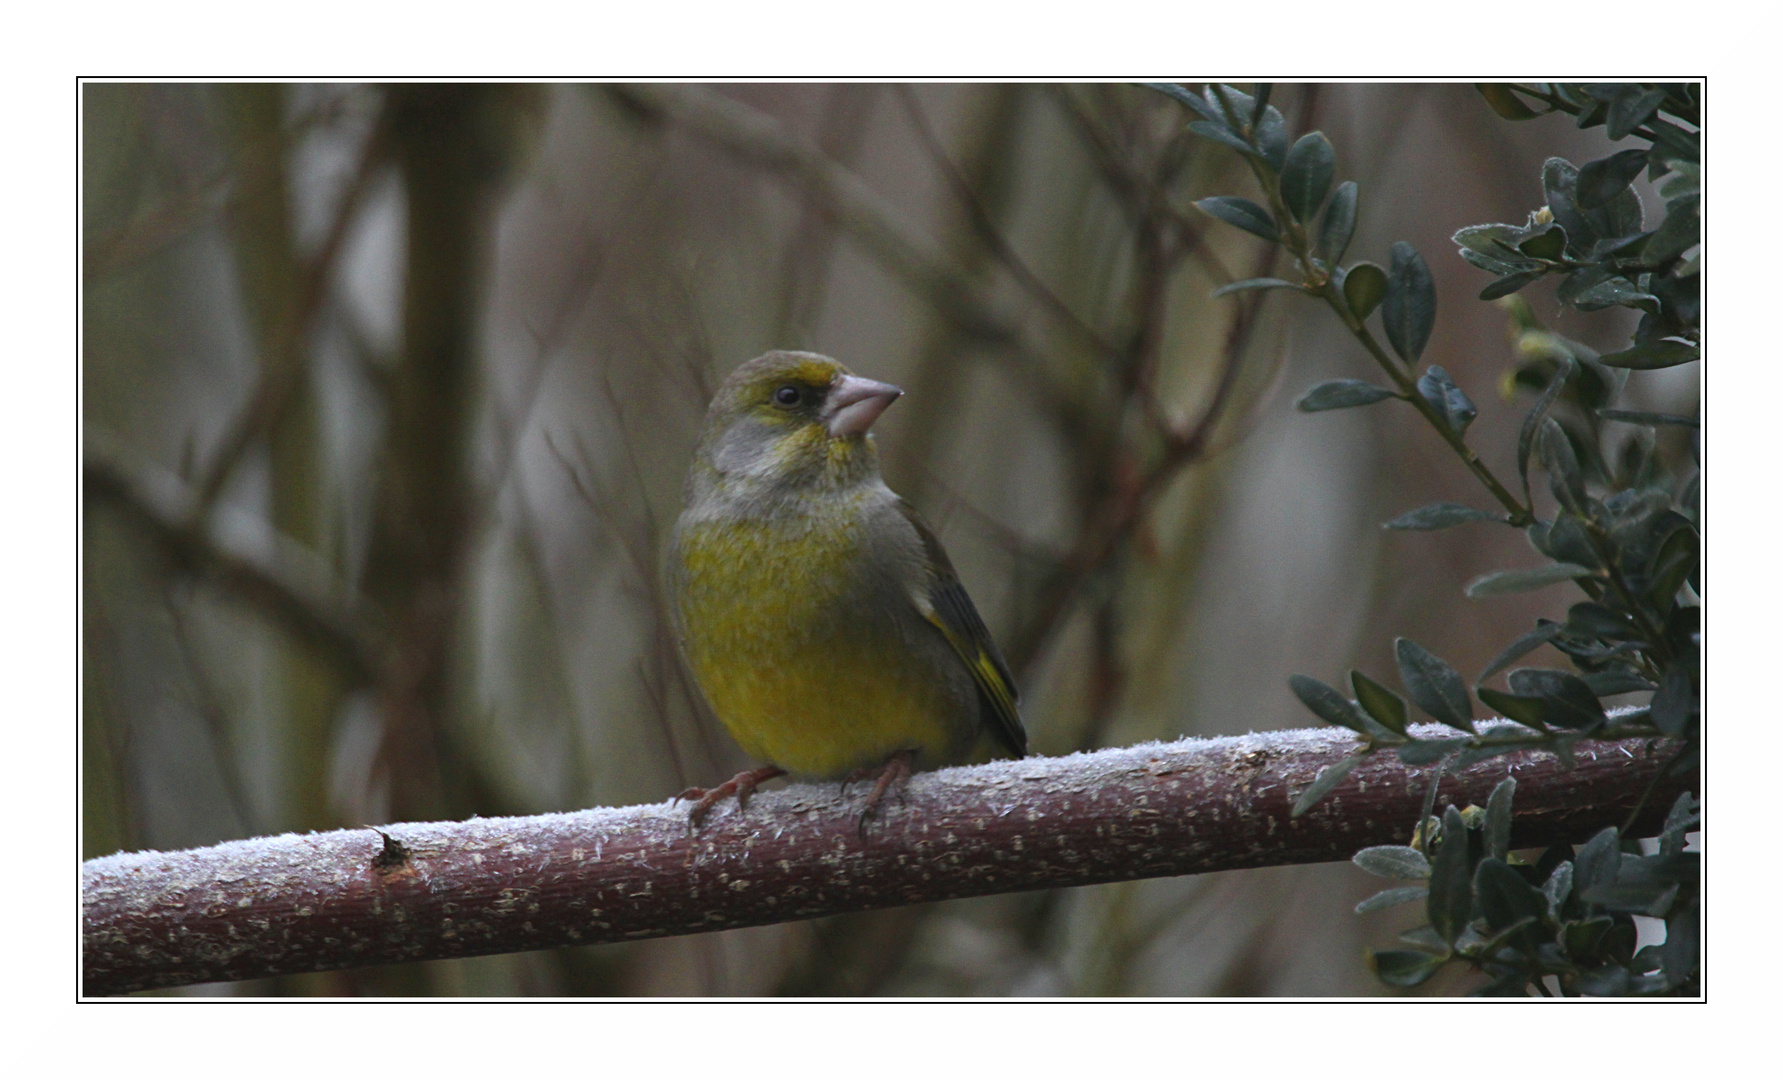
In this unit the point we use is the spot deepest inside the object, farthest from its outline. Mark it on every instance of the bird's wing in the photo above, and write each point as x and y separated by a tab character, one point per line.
951	611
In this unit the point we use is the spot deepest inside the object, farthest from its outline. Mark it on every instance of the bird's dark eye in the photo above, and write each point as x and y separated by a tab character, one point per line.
788	395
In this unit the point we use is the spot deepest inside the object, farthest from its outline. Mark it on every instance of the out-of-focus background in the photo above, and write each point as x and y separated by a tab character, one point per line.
389	392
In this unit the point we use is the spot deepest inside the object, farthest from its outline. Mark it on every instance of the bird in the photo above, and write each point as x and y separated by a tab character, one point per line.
817	611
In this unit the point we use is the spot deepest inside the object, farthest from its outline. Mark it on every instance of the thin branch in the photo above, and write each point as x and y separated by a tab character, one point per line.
282	367
272	576
322	901
991	237
1126	506
760	140
1131	190
150	231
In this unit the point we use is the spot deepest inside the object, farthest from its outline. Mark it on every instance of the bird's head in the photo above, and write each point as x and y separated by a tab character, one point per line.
791	421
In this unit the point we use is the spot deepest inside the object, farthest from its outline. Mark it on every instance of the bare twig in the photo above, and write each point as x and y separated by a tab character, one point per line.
760	140
295	593
1123	508
282	362
1130	188
350	898
992	238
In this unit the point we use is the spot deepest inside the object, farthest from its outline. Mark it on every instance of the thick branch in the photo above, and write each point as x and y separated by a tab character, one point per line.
345	899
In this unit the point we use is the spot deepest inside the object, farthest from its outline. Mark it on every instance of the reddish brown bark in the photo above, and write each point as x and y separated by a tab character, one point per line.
421	891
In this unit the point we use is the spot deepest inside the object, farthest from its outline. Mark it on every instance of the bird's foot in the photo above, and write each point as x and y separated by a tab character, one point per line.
893	775
741	785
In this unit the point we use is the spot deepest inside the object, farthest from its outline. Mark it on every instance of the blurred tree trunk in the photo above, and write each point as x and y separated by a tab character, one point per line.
418	530
453	145
272	281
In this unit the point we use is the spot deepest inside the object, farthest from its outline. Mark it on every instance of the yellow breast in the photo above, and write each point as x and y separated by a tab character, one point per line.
780	633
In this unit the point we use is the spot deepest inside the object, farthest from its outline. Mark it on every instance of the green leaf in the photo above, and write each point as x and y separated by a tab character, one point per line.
1426	938
1434	685
1387	898
1500	266
1505	898
1393	861
1531	712
1364	287
1559	181
1622	218
1566	541
1329	777
1255	283
1339	224
1532	421
1379	702
1685	182
1580	939
1681	231
1672	565
1610	292
1404	967
1674	701
1631	110
1679	954
1557	888
1598	862
1572	704
1409	312
1565	479
1220	133
1450	401
1232	104
1603	180
1511	283
1615	680
1590	619
1243	213
1505	582
1675	143
1549	244
1437	516
1498	818
1633	898
1187	97
1684	818
1495	241
1543	633
1327	704
1342	394
1450	904
1306	175
1583	279
1272	138
1504	101
1649	356
1261	102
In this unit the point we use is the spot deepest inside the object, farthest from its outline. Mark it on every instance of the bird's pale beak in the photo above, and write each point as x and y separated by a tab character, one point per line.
854	403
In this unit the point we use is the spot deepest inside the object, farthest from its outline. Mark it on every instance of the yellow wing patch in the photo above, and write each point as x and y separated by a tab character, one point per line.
946	605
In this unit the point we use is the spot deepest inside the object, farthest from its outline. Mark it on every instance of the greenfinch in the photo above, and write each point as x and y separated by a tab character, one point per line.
816	610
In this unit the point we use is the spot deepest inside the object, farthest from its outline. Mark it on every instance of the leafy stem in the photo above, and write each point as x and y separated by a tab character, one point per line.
1520	515
1318	280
